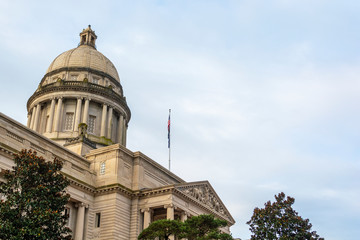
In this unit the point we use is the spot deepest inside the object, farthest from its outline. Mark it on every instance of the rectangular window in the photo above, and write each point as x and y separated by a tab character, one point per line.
97	220
95	80
73	77
69	120
91	126
102	168
67	213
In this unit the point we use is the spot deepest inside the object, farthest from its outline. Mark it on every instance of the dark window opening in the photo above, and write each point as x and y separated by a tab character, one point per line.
97	220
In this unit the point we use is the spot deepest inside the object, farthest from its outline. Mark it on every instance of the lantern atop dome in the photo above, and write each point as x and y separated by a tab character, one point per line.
88	37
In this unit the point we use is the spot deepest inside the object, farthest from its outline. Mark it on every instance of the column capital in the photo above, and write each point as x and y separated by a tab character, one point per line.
80	205
185	213
61	97
79	98
169	206
146	210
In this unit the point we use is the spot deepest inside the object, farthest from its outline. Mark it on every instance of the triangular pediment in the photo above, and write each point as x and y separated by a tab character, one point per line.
204	194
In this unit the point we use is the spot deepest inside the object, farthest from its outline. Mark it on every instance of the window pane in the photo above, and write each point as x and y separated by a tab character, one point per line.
102	168
91	126
69	119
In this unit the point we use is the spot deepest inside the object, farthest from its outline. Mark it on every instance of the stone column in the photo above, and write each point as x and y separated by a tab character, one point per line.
170	215
103	121
32	117
125	132
58	115
147	217
28	120
169	211
86	111
109	125
49	125
120	129
37	116
78	114
183	216
80	217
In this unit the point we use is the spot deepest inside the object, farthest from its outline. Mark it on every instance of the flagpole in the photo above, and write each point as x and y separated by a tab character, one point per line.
169	138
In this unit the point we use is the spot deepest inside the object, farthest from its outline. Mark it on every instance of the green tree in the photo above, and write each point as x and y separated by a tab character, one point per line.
161	229
33	199
204	227
279	221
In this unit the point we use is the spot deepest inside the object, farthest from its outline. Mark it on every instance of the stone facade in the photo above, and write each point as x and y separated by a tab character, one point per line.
115	193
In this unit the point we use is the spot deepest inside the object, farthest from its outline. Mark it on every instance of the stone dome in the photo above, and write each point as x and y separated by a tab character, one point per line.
84	56
80	97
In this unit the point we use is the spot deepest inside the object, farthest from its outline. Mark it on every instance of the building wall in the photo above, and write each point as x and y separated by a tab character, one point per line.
130	186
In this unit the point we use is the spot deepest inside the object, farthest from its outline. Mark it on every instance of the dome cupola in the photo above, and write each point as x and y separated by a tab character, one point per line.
88	37
80	97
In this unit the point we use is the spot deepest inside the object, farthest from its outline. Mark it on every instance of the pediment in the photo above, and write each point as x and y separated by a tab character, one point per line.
203	194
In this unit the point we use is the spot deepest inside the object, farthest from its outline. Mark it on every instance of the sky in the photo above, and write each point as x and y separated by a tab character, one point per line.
264	95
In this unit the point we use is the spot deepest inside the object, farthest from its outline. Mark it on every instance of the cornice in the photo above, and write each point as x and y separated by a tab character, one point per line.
114	188
154	191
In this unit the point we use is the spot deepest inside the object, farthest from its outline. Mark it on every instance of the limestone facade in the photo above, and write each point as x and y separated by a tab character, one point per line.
115	193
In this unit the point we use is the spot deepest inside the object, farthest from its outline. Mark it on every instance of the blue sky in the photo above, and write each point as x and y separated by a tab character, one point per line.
264	94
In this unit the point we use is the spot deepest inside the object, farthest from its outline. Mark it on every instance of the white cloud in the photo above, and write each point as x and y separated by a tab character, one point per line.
264	95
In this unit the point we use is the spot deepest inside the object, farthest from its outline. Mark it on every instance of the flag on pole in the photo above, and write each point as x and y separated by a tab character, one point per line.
169	129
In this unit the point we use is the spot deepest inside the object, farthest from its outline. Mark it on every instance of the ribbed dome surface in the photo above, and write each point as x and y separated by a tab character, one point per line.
84	56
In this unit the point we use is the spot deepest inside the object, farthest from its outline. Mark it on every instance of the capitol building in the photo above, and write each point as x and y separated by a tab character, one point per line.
79	114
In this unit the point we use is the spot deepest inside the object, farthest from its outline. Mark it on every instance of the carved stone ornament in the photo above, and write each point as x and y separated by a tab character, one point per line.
205	195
